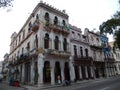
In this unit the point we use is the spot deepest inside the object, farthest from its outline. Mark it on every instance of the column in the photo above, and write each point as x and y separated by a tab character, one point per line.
52	40
23	73
80	72
32	72
62	70
61	42
52	65
86	73
72	70
91	71
40	69
41	39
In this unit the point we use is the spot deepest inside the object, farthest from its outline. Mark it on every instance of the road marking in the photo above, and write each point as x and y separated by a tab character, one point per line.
104	88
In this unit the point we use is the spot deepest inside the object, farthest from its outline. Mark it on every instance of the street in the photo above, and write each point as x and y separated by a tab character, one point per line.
112	83
4	86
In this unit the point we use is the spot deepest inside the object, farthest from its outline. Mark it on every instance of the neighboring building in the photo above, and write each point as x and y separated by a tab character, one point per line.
108	57
0	67
97	53
40	51
5	68
81	54
116	55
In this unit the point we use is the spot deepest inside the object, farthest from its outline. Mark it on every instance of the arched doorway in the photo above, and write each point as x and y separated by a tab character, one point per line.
57	71
77	77
88	71
27	72
66	71
83	72
46	72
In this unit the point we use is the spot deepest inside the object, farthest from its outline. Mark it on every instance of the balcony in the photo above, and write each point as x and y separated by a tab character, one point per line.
56	28
57	53
35	26
96	47
109	59
79	60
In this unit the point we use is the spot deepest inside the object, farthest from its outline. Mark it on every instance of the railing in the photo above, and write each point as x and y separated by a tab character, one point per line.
82	58
58	53
56	28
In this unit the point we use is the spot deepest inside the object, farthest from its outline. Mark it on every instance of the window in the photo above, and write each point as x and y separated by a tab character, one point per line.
86	52
75	50
65	44
63	22
30	26
37	17
19	37
81	51
79	36
16	42
56	43
97	39
46	41
73	34
46	16
18	53
36	41
23	34
28	46
55	20
92	38
22	50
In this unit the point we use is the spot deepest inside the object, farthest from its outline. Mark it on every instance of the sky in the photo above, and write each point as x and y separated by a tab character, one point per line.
82	13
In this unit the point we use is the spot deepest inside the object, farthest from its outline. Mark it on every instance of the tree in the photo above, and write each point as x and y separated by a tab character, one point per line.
112	26
5	3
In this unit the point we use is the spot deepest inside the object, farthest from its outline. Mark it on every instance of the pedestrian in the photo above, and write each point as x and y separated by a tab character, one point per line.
59	79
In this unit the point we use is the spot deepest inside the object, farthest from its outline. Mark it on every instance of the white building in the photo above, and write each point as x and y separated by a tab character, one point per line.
116	55
81	54
97	53
40	51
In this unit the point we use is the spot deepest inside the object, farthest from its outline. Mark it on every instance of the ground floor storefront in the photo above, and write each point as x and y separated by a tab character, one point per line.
42	70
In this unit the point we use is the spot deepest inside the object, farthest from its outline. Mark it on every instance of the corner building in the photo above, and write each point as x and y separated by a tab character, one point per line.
40	51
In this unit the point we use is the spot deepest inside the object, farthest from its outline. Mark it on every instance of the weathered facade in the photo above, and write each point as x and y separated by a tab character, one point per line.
5	68
49	50
40	52
97	53
116	55
81	54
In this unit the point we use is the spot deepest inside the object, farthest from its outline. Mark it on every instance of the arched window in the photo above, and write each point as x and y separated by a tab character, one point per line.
81	51
65	44
46	41
75	50
56	43
30	26
37	16
55	20
86	52
63	22
36	41
47	16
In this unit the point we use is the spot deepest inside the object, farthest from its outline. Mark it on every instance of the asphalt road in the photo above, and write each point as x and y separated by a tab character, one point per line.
4	86
112	83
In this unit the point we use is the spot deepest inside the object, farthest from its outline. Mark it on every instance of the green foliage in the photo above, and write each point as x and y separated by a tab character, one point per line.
109	26
5	3
117	39
112	26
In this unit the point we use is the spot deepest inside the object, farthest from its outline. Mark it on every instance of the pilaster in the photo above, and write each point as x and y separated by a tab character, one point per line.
40	69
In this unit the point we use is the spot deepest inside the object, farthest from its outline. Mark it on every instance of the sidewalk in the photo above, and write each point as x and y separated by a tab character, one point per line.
46	86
